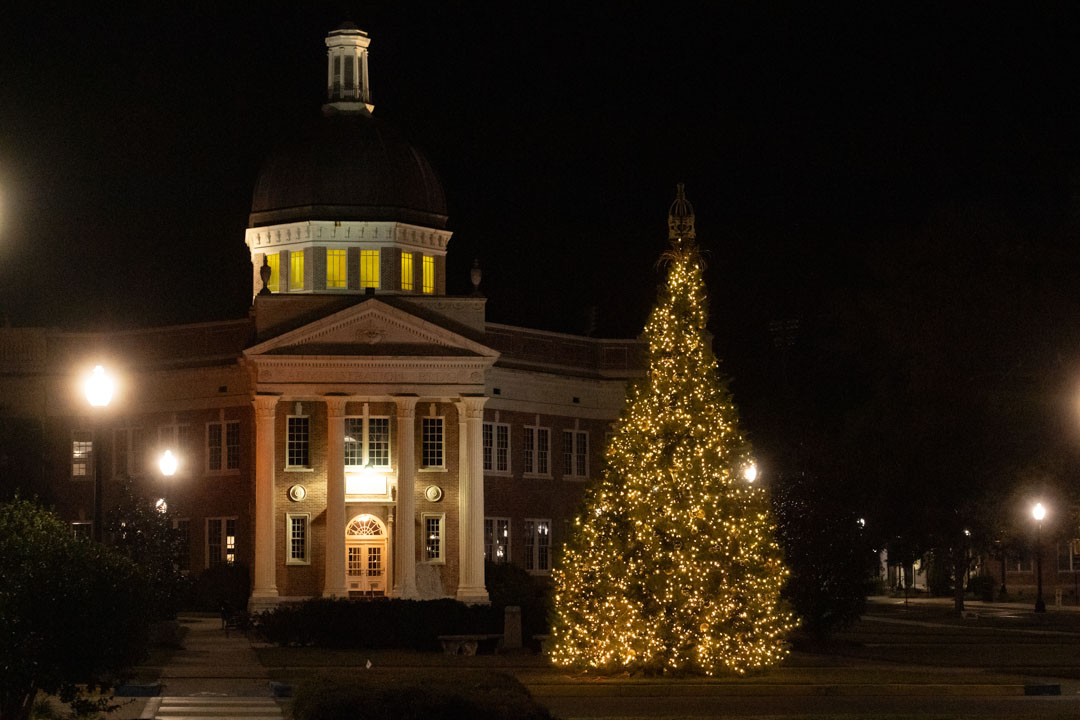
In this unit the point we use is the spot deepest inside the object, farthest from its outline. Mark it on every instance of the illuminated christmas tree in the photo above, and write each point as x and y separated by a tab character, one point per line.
672	566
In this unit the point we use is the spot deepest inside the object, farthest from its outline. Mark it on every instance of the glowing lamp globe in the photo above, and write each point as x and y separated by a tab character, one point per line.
99	388
168	463
750	473
1038	512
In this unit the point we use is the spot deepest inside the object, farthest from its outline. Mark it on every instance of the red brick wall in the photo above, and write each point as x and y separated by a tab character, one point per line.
518	497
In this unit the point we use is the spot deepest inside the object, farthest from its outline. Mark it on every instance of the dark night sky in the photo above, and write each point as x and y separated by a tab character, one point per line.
130	138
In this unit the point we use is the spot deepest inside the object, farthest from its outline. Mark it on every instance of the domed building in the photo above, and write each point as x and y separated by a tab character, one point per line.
361	433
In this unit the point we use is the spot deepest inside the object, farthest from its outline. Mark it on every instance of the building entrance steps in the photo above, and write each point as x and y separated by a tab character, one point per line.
212	708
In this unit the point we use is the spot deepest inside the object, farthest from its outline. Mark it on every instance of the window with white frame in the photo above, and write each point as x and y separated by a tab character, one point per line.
297	525
297	435
182	526
128	453
1068	557
575	453
83	530
537	545
176	438
82	454
537	450
432	437
220	541
497	539
1020	564
222	446
434	536
497	447
367	442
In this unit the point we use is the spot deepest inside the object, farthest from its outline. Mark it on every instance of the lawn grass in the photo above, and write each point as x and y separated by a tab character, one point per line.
296	665
935	648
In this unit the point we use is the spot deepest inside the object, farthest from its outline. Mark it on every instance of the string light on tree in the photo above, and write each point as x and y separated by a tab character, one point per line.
672	566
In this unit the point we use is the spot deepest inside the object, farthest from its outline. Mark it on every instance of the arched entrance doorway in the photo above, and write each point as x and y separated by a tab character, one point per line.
365	555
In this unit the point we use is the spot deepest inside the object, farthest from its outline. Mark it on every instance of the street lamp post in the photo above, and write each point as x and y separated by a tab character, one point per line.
99	392
1039	512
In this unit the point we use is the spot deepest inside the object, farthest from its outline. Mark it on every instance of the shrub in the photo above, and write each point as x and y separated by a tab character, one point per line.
512	585
145	534
826	551
982	587
939	579
228	584
73	613
473	695
395	623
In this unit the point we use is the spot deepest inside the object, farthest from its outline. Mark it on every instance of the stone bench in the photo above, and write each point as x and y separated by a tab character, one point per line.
545	643
464	644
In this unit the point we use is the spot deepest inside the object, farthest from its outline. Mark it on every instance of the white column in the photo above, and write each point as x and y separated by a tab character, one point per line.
405	585
391	538
264	590
471	588
334	582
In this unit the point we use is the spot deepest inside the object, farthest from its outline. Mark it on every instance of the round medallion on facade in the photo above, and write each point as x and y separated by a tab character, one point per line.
297	493
433	493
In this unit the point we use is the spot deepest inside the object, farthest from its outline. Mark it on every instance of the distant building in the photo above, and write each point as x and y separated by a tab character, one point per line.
360	432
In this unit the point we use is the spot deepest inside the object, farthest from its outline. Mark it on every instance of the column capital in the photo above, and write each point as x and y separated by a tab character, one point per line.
406	405
265	406
335	405
472	406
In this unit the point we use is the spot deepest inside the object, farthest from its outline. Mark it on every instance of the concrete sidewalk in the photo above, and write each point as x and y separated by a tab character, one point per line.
212	664
1027	606
214	676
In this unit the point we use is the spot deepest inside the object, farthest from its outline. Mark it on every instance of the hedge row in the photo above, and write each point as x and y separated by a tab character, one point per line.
404	624
481	697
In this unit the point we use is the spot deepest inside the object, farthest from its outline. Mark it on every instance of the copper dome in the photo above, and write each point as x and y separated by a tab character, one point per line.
348	166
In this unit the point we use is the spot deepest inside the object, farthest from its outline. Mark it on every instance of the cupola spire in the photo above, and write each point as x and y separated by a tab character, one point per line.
681	216
347	88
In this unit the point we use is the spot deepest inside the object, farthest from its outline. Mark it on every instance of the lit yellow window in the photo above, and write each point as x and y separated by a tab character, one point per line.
429	274
406	271
336	276
296	270
369	268
274	261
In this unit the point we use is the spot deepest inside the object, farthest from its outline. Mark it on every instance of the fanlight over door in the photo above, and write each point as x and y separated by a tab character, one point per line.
365	555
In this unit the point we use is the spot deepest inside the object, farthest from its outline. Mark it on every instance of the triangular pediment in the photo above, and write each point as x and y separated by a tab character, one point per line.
372	328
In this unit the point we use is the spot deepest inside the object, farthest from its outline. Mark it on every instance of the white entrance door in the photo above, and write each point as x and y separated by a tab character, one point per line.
365	555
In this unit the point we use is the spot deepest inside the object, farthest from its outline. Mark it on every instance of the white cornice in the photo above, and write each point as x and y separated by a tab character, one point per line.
345	233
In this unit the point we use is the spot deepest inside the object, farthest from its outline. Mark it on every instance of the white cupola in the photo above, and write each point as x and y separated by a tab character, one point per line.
347	88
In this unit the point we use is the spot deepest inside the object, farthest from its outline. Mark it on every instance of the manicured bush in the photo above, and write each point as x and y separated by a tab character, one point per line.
403	624
481	696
